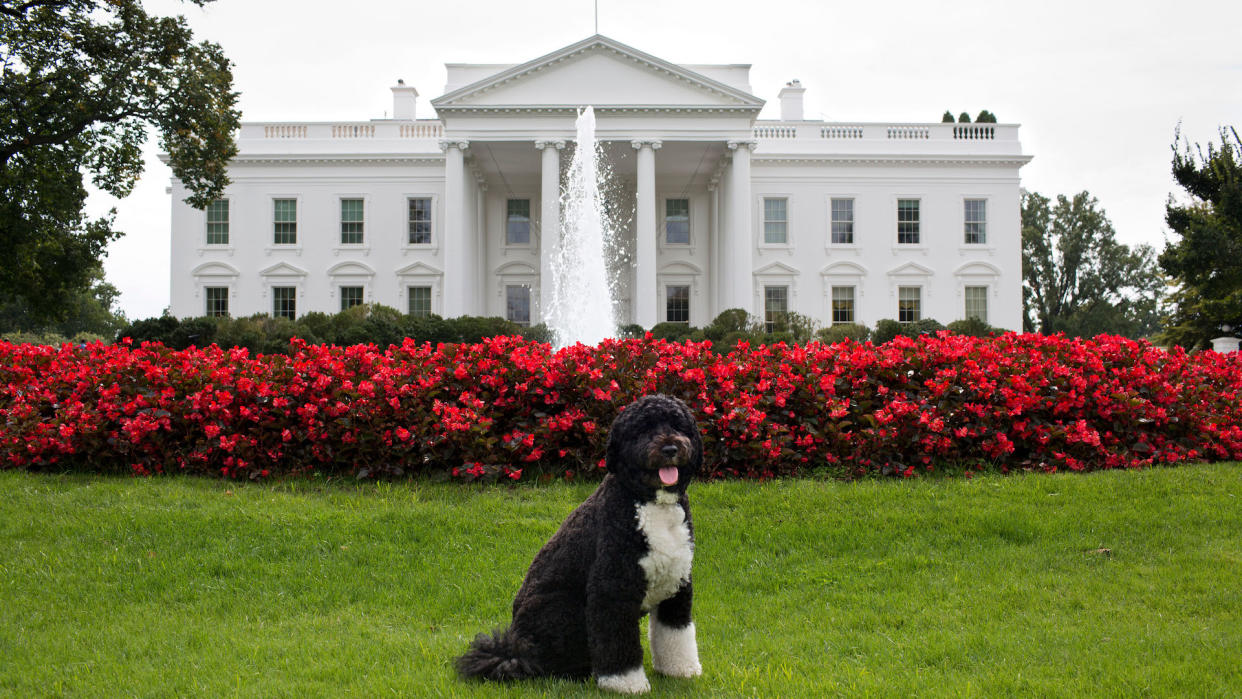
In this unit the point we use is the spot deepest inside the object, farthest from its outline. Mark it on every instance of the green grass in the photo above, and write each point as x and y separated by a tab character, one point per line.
987	587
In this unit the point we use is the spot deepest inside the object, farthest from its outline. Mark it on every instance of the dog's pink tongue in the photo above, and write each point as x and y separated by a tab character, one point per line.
668	475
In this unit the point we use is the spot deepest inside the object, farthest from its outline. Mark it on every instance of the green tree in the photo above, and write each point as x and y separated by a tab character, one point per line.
985	117
963	118
80	83
90	310
947	118
1206	259
1077	279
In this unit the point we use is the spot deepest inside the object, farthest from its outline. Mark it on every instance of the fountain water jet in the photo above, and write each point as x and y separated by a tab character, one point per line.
582	299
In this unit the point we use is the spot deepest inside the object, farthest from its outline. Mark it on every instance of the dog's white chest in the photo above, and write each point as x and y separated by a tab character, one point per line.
667	563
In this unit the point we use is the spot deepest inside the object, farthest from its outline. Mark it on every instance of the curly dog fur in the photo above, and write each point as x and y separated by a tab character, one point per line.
622	553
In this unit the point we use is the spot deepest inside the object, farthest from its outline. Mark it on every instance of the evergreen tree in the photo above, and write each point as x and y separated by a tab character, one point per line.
1205	261
947	118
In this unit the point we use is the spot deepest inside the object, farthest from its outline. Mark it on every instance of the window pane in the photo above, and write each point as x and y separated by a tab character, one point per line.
350	296
218	222
285	221
908	221
775	221
284	302
977	302
420	221
842	304
217	301
420	300
909	304
976	217
775	305
517	223
351	222
677	221
843	221
517	304
677	306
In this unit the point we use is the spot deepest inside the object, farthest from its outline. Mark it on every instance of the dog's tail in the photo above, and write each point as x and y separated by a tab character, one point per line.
499	657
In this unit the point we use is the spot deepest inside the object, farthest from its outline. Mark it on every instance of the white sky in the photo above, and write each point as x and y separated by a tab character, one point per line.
1098	87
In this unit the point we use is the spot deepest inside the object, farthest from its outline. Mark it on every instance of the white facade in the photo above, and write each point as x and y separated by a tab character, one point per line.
414	213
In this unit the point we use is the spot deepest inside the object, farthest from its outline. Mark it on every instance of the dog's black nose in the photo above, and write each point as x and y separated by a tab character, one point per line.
669	451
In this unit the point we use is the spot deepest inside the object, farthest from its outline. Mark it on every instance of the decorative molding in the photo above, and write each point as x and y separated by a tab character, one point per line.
558	143
654	143
460	144
750	144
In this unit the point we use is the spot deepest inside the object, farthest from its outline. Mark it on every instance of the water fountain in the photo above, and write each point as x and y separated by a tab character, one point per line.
582	298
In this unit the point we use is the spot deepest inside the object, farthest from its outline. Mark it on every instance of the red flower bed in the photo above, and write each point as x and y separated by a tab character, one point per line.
512	408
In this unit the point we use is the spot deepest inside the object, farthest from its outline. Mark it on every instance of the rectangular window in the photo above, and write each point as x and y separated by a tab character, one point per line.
775	305
351	222
517	304
420	221
908	221
285	221
976	216
420	300
284	302
842	221
217	301
842	304
677	221
350	296
517	222
909	304
977	302
218	222
776	221
677	304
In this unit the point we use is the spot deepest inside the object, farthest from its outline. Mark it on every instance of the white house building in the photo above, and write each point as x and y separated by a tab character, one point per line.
457	215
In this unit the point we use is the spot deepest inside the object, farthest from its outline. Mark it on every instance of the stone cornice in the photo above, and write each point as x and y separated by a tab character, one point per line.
571	110
898	159
333	159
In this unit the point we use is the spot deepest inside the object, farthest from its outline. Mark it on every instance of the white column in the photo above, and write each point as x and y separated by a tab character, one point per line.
739	286
549	220
481	248
713	250
456	269
645	293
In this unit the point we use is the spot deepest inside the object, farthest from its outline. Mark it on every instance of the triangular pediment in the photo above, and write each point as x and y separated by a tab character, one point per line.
777	268
600	72
911	269
283	269
419	269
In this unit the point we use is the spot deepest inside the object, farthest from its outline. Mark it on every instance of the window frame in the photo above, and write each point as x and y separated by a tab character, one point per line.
769	323
208	223
530	309
853	304
917	232
409	300
361	290
832	221
207	301
668	300
279	288
967	222
983	290
432	243
903	290
667	218
764	220
530	221
361	222
297	205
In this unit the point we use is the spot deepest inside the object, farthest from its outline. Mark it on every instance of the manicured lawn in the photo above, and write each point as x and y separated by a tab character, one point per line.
986	587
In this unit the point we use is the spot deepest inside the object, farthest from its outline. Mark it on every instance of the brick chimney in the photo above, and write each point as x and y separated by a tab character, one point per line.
403	99
791	101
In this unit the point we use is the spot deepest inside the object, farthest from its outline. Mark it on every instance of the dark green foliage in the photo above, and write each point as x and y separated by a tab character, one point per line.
973	327
947	118
90	311
82	81
1077	279
673	332
366	324
1206	258
631	331
836	333
985	117
963	118
730	322
887	329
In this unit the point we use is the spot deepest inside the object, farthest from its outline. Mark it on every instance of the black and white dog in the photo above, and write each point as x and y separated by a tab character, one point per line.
622	553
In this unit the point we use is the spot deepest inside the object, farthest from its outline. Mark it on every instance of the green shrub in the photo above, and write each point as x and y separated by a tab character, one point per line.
947	118
35	338
673	332
973	327
631	331
836	333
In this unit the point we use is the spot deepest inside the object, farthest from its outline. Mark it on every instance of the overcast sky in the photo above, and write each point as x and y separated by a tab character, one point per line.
1098	87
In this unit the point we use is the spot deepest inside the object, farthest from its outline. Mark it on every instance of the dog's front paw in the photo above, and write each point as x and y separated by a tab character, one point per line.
674	652
632	682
